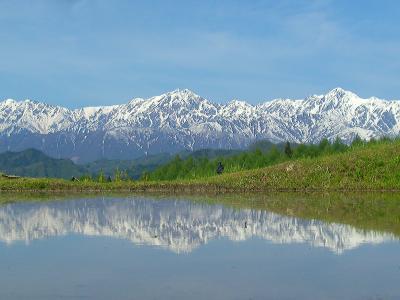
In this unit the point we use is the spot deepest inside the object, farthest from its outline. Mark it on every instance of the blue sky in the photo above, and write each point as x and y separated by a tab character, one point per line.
86	52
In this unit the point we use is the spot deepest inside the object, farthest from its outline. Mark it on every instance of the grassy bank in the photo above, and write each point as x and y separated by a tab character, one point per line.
375	166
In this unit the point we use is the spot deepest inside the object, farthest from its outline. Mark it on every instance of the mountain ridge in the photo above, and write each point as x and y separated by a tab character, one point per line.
181	119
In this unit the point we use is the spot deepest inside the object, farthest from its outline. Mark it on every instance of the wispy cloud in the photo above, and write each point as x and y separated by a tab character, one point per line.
253	50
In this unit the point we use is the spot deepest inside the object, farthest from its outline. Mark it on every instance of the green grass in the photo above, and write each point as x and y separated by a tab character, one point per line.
370	167
374	166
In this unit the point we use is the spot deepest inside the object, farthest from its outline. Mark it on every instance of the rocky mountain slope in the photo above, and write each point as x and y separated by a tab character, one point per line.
181	120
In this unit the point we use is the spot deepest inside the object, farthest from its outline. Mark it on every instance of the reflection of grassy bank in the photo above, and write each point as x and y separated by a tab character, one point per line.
373	167
367	211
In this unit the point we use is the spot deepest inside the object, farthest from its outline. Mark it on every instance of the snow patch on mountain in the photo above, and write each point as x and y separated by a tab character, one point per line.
183	120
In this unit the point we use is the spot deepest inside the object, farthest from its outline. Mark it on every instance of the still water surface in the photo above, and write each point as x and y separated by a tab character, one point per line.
146	248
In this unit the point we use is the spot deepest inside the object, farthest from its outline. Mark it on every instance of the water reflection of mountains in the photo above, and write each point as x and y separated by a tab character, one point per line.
180	226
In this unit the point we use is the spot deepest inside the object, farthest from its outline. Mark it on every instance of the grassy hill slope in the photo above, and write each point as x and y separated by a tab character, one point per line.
373	166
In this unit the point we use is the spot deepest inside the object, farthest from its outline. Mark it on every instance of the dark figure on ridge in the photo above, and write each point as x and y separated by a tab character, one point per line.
220	168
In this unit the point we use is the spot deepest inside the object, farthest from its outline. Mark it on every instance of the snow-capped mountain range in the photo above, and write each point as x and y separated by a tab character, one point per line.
181	120
176	225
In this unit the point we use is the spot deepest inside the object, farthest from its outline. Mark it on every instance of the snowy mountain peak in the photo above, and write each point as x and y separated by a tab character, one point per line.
182	94
181	119
238	103
340	94
178	96
338	91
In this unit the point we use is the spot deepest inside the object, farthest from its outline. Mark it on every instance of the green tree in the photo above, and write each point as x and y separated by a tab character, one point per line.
288	150
324	145
117	175
101	177
338	145
86	178
273	155
145	176
357	141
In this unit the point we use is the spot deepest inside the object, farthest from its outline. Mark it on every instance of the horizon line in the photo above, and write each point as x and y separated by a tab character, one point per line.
195	94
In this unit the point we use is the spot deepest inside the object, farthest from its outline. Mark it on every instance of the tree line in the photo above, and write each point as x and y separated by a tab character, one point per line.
200	167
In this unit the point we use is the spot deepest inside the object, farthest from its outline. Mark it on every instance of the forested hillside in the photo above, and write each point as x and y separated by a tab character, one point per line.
262	154
34	163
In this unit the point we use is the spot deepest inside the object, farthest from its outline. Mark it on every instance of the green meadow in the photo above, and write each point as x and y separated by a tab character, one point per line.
372	166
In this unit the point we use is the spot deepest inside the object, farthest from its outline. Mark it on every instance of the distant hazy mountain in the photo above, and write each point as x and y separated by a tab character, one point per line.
33	163
133	167
182	120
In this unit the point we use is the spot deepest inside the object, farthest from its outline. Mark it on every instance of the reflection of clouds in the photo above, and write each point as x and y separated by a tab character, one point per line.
180	226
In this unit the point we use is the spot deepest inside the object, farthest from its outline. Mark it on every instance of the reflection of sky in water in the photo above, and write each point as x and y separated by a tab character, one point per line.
180	226
83	250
